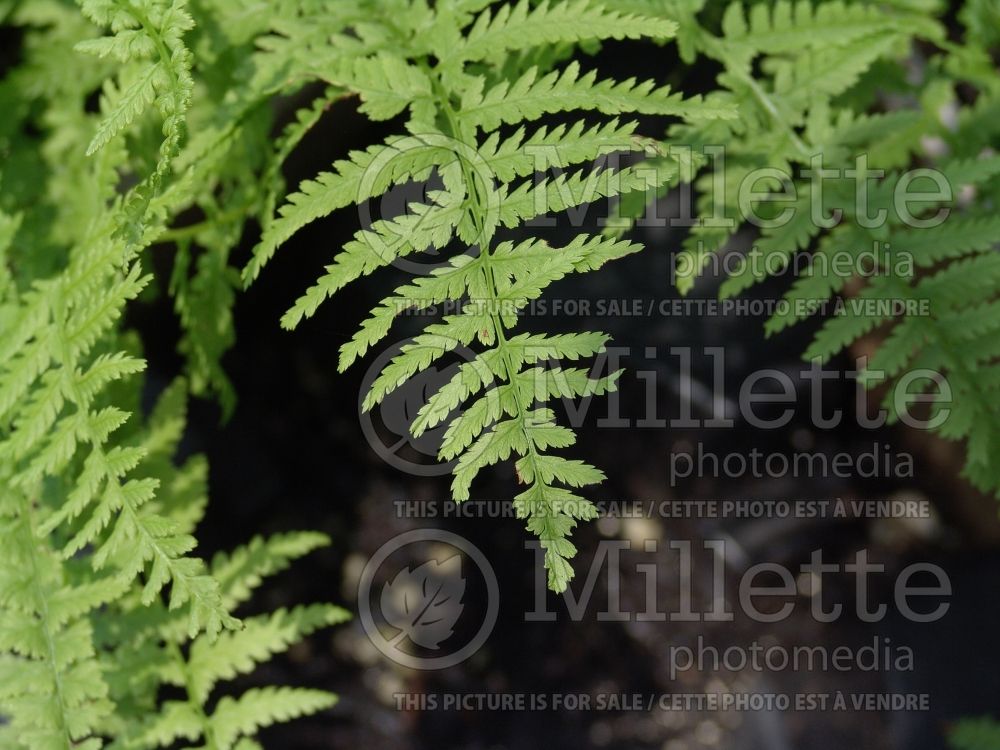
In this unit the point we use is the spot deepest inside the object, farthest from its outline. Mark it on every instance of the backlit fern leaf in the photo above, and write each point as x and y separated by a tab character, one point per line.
533	95
488	187
151	32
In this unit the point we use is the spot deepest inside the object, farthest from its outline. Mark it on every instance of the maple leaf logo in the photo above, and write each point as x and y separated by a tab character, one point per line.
424	603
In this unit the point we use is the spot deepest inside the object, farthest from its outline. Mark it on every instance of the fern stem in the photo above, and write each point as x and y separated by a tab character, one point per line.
180	234
488	270
714	49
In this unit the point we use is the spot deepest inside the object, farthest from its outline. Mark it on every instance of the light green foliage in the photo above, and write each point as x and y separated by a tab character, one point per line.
150	652
829	70
88	655
456	102
52	681
150	34
97	553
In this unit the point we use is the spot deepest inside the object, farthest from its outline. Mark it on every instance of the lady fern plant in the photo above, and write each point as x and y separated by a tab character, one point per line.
105	608
829	72
460	72
102	600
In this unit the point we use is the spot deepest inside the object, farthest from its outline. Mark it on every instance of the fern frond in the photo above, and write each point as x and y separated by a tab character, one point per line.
52	687
519	26
456	111
386	84
127	106
426	226
258	708
241	571
150	32
56	416
208	661
818	79
773	251
855	320
826	73
534	95
364	175
261	638
96	516
793	26
204	303
823	279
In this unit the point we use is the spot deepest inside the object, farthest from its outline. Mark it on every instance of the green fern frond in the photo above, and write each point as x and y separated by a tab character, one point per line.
519	26
155	642
204	301
53	406
806	77
532	96
96	515
261	638
261	707
455	119
52	683
242	571
153	34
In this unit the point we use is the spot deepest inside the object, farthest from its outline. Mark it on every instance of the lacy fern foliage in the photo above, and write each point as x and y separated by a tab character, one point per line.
97	518
826	70
457	104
